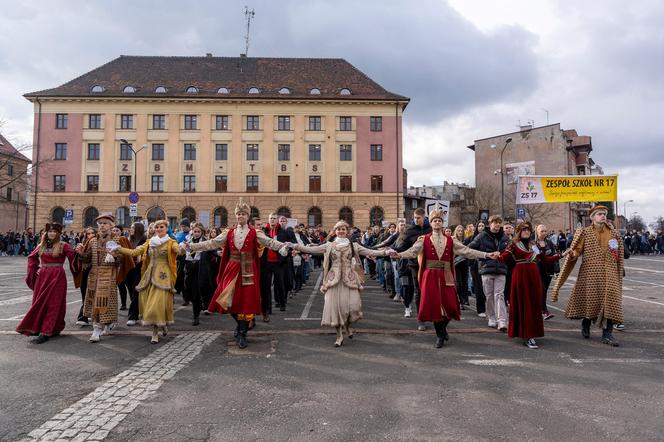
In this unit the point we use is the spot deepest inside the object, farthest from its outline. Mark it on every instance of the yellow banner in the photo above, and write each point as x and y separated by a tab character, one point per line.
533	189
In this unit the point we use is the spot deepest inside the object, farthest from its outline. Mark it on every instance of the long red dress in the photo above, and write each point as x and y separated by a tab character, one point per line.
438	295
525	316
238	290
46	277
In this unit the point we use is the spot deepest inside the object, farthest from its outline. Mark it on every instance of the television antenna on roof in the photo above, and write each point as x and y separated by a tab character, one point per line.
249	15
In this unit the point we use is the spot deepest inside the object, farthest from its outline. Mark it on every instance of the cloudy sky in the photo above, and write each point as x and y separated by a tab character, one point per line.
473	68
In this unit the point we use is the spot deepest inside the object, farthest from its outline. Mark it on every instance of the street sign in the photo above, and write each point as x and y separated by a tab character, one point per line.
521	213
133	209
133	198
69	217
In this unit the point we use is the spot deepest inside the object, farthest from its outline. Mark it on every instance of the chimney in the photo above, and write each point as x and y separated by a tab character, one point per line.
209	54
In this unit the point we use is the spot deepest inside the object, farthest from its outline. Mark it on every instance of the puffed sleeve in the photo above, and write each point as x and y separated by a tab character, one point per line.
414	251
211	244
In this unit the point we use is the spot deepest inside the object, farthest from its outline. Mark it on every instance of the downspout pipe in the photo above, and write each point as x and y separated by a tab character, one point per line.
35	175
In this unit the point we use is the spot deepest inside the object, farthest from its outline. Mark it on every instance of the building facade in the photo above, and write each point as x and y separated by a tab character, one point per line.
14	210
546	150
314	139
461	199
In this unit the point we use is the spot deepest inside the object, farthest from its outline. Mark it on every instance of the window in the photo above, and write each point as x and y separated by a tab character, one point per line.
94	121
344	91
221	122
314	91
160	90
314	123
376	183
126	121
284	91
376	216
221	152
93	183
283	152
314	216
254	90
58	215
376	124
9	193
376	152
346	214
253	122
159	121
252	152
190	122
156	213
125	183
189	152
284	211
580	170
96	89
283	183
125	152
345	152
157	152
189	183
192	90
10	169
61	121
122	217
60	151
345	183
129	90
223	90
93	151
157	185
221	184
190	213
345	123
314	183
90	216
220	217
252	183
314	152
59	184
283	123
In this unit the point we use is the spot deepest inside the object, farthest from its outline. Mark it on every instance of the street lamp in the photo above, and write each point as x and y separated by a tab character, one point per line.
625	212
135	152
502	177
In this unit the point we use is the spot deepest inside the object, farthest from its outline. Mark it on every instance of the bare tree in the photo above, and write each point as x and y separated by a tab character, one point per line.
636	223
658	224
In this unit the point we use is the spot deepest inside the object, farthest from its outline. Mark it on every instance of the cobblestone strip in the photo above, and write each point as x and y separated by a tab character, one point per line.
94	416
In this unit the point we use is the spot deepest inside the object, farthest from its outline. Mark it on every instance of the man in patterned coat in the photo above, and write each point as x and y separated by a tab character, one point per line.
101	298
597	293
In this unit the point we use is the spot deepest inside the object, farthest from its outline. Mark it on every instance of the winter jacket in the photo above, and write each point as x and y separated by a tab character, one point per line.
490	242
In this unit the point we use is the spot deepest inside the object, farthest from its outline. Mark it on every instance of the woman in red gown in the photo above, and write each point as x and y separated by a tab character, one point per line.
46	277
525	316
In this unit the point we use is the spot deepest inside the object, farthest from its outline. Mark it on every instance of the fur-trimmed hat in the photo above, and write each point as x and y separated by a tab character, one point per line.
241	206
436	213
106	215
53	226
597	208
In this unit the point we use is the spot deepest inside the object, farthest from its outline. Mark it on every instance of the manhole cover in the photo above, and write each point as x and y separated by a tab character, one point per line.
258	346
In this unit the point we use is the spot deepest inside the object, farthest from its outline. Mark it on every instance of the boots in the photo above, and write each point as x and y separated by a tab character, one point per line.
242	334
340	337
96	333
196	321
607	334
585	328
440	333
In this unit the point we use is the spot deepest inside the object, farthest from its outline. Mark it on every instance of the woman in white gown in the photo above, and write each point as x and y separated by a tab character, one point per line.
343	279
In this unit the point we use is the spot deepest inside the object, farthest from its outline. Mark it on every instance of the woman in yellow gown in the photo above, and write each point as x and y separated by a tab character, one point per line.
158	274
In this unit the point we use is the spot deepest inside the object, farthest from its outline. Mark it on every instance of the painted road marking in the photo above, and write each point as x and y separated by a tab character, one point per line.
310	301
644	270
120	395
647	259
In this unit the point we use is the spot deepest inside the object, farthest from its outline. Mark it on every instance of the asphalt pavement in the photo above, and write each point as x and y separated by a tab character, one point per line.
388	383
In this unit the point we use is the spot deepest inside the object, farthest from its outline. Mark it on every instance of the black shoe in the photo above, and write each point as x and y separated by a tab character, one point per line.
242	334
40	339
585	328
282	308
123	307
440	341
608	339
196	321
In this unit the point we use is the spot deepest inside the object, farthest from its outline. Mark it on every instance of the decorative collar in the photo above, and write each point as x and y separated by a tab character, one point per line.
155	241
